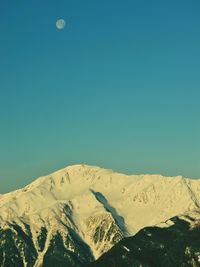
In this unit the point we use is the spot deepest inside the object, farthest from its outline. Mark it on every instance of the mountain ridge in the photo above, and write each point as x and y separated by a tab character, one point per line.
79	165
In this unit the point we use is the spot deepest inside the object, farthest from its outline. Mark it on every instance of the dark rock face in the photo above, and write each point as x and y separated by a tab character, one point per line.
17	249
57	255
175	246
16	246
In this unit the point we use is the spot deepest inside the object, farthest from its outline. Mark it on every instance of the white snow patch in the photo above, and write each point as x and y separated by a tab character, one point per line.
127	249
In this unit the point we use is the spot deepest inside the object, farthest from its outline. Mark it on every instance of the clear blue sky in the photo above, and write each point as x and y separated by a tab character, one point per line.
119	87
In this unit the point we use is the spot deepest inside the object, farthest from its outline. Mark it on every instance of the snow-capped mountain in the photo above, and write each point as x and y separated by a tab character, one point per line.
76	214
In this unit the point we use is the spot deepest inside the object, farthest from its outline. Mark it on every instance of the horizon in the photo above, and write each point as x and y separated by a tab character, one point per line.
115	84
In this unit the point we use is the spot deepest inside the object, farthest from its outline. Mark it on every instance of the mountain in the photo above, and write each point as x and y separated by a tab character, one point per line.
73	216
175	245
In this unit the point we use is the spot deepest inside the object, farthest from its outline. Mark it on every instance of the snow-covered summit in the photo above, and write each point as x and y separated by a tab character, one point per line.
165	196
99	205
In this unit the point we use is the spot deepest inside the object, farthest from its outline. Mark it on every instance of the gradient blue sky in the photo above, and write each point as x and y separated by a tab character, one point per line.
119	87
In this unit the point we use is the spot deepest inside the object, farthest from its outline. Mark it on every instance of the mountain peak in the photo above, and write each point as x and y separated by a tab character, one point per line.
95	207
122	190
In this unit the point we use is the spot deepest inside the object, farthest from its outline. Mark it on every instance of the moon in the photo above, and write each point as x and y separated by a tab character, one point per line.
60	24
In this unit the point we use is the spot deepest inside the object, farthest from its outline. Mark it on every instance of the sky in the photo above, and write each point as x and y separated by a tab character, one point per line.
118	87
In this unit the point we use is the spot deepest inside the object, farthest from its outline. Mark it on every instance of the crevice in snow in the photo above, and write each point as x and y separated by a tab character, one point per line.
118	218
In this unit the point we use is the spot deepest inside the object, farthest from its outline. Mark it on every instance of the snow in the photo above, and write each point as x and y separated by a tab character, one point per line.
198	258
69	197
41	255
127	249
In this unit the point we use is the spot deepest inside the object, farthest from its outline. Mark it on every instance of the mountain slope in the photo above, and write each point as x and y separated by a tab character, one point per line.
78	213
176	245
